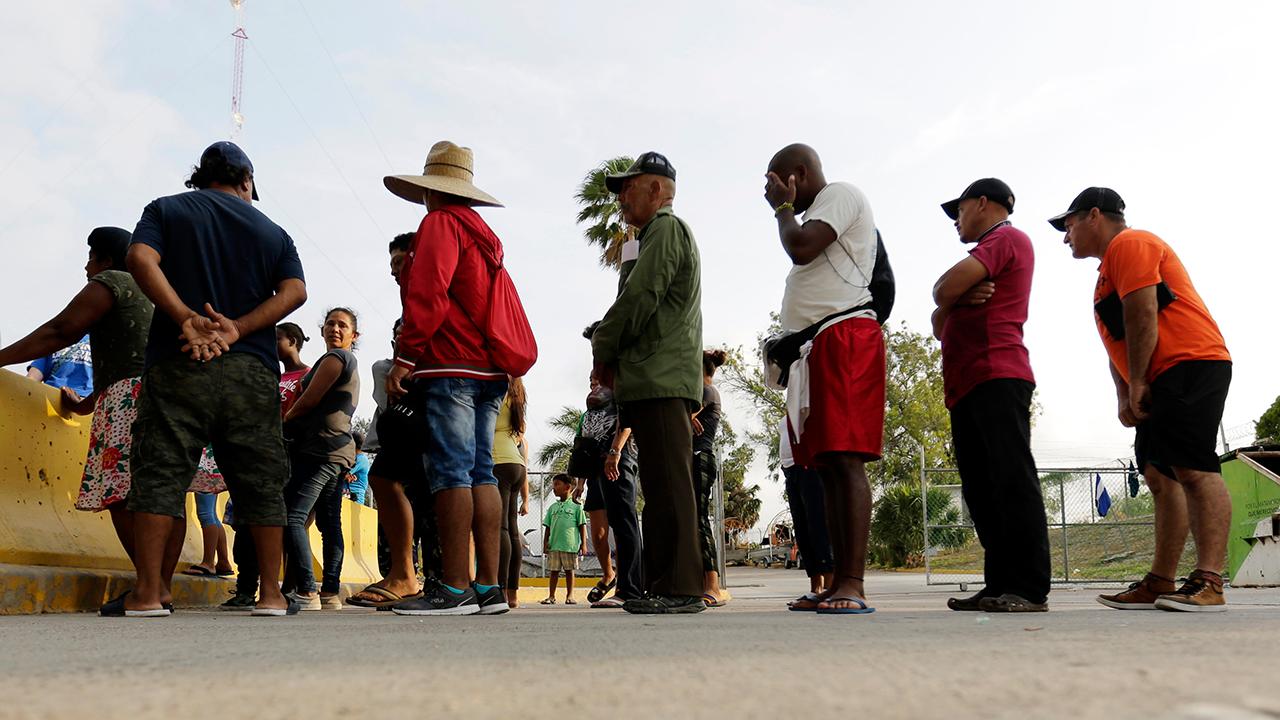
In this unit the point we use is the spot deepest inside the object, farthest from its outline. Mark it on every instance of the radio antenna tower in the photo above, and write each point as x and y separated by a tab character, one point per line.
237	72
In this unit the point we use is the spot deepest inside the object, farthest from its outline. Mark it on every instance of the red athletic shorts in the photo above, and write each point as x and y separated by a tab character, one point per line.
846	393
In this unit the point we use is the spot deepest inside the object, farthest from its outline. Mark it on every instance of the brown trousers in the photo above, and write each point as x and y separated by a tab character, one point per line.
672	550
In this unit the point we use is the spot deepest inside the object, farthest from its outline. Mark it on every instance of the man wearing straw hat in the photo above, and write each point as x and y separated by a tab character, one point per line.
445	288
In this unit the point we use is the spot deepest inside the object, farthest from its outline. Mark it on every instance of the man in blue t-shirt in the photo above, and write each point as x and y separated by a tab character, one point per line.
221	275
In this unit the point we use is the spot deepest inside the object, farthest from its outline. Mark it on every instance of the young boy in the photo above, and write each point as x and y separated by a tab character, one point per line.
563	537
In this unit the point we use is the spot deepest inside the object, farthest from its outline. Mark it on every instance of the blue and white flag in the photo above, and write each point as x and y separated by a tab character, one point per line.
1100	496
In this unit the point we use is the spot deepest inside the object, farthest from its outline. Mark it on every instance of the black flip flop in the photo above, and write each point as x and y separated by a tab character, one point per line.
600	590
200	571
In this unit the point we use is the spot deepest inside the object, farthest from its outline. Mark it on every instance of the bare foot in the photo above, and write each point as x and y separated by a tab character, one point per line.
843	588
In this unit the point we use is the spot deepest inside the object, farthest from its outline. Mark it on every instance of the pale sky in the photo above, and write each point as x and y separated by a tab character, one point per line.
106	105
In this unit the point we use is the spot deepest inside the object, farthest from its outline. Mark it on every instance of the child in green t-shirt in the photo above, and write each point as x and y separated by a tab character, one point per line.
564	536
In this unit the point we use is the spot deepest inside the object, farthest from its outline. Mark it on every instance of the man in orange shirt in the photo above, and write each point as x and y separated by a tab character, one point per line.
1171	370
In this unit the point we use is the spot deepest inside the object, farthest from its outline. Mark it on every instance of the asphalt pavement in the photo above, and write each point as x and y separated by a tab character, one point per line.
913	658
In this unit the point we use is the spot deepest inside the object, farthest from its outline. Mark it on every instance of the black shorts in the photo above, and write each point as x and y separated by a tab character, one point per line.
406	468
1186	407
595	494
230	403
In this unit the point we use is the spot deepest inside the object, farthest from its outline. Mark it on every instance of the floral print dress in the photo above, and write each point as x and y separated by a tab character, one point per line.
106	476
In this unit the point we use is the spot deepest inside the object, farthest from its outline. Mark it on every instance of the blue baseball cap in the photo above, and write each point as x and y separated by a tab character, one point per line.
229	154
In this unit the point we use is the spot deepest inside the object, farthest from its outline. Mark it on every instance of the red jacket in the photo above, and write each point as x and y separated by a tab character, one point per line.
445	283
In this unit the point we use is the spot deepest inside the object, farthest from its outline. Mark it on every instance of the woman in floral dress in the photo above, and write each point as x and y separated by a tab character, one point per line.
117	316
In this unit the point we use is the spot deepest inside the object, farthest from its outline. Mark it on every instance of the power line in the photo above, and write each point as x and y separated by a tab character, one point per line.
338	71
53	114
112	136
315	136
293	222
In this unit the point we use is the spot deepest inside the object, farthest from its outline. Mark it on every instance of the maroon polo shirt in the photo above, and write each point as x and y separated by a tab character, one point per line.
984	342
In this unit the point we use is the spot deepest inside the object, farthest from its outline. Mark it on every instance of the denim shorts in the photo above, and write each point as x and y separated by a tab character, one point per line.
461	414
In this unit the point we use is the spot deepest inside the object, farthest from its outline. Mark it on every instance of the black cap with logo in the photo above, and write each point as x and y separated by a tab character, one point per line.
1105	199
990	188
650	163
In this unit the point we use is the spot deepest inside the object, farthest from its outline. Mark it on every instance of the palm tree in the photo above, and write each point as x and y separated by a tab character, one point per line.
600	208
554	456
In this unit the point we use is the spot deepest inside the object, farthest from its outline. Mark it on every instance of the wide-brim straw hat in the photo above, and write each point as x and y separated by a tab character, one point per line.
449	169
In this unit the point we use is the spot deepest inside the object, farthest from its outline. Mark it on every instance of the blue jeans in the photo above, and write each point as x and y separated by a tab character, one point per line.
314	484
207	509
461	414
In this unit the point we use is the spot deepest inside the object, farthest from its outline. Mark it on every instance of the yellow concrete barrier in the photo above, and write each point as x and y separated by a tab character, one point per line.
42	456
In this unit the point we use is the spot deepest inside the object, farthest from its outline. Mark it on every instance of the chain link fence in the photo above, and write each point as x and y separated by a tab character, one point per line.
1101	527
541	496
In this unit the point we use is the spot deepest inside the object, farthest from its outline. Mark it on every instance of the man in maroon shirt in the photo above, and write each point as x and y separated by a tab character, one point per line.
982	305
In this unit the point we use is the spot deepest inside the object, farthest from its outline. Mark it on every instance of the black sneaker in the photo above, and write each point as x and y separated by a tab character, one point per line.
440	600
239	601
1010	603
492	601
665	605
973	603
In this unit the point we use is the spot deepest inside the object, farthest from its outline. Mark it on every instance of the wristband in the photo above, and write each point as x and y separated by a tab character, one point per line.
784	206
613	453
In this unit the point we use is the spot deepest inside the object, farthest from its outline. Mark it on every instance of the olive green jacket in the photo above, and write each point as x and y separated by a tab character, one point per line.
653	332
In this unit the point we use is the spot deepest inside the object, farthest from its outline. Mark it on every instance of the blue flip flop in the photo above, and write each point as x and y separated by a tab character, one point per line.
862	609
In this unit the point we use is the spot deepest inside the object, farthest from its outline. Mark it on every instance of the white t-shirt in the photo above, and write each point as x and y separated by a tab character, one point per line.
840	277
784	445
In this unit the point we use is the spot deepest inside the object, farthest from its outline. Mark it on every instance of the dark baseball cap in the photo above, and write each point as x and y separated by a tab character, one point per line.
229	154
650	163
990	188
1105	199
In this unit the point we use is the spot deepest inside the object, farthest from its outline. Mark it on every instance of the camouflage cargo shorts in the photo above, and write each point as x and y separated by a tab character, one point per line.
231	403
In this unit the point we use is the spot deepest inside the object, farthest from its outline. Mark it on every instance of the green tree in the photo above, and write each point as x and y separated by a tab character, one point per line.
1267	429
743	375
740	500
915	408
599	207
897	529
553	457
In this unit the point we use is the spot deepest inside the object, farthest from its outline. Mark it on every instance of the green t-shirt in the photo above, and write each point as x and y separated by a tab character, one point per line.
564	517
119	339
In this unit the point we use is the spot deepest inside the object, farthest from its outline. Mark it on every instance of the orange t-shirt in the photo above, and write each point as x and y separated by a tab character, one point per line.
1137	259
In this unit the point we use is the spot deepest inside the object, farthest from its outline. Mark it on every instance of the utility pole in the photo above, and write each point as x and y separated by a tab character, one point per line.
237	70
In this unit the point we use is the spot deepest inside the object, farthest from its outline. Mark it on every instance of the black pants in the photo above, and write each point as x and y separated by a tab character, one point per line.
245	552
672	553
511	478
809	518
620	508
704	476
991	429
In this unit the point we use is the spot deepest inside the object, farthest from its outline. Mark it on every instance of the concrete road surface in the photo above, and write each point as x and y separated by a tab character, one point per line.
752	659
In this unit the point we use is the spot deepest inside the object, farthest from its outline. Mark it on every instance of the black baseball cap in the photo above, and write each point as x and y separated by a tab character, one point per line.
229	154
992	189
1105	199
650	163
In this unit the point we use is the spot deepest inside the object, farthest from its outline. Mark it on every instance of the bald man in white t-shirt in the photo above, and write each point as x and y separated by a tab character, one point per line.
834	253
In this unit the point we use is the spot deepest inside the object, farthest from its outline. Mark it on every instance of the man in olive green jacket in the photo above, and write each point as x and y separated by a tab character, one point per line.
650	342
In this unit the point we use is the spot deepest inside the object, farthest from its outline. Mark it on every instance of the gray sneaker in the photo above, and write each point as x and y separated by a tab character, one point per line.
440	600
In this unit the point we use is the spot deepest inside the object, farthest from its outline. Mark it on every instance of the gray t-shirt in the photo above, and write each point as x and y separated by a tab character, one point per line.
710	419
325	432
380	370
